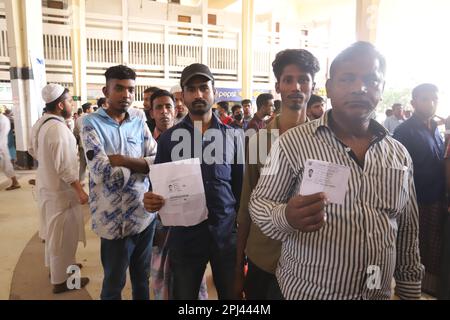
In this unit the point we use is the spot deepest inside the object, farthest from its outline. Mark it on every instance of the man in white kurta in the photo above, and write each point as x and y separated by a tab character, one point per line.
58	188
5	160
34	133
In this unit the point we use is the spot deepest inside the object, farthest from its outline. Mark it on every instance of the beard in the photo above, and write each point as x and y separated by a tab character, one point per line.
199	107
296	106
66	114
299	102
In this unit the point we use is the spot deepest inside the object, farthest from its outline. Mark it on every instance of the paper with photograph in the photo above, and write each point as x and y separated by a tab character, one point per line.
181	185
322	176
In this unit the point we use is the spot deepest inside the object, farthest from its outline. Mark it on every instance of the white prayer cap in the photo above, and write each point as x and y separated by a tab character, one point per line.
51	92
176	88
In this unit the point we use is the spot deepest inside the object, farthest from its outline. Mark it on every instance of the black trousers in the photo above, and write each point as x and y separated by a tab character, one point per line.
260	285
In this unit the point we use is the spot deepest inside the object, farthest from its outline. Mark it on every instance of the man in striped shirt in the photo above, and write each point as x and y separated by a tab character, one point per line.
353	250
294	70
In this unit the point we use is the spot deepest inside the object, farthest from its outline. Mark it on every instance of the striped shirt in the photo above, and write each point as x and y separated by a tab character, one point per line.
365	242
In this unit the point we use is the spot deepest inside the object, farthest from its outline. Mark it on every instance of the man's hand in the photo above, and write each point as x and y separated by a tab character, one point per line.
153	202
306	213
116	160
83	197
238	285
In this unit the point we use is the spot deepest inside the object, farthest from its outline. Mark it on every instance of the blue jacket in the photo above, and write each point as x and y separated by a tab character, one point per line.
427	152
222	178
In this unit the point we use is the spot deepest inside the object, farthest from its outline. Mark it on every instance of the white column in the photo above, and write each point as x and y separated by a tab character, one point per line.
78	50
26	52
367	20
125	32
248	20
205	32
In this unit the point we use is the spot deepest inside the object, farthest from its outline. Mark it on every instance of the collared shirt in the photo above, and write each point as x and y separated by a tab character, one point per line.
260	249
236	125
256	123
178	120
372	236
156	134
427	152
391	123
115	193
222	179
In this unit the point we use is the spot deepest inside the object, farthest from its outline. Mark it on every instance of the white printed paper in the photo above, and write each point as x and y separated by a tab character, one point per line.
322	176
180	183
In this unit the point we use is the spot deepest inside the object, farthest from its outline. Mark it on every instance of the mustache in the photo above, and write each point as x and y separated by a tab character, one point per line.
363	103
199	101
296	96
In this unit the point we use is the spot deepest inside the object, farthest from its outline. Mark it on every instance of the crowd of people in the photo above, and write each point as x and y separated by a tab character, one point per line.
263	237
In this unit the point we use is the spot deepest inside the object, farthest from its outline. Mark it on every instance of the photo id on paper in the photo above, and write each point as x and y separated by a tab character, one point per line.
322	176
180	183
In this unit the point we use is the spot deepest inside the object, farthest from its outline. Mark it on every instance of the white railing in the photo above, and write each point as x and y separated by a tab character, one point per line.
181	55
104	51
4	54
4	44
146	53
157	49
223	59
57	47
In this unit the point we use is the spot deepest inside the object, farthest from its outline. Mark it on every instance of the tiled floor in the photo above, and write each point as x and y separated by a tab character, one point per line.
19	223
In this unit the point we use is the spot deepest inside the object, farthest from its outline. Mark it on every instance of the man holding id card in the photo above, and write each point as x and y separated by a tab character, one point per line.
339	193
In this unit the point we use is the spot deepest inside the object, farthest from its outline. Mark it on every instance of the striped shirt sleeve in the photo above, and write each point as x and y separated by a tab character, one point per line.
268	201
409	271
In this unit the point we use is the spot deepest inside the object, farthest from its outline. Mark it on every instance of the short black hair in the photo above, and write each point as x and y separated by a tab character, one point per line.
277	105
161	93
314	99
86	106
120	72
79	111
357	49
245	101
151	89
302	58
235	107
424	87
101	101
51	107
223	105
262	100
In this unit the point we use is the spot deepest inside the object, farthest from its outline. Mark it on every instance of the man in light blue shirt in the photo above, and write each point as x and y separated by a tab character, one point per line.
396	119
119	149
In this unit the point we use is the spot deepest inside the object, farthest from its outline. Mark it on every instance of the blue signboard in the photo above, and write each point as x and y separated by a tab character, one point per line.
228	94
235	95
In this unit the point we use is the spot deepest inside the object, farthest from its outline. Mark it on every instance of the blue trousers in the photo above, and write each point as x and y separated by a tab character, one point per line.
133	252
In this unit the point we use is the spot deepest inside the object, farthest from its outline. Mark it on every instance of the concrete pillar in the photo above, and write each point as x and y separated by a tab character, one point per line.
125	32
205	32
78	50
26	52
367	20
248	20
